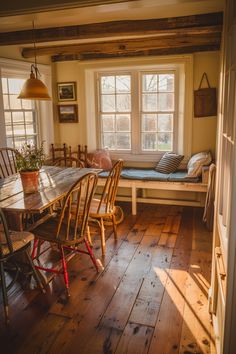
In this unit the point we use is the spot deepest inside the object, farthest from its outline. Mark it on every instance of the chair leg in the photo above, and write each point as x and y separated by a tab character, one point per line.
65	273
89	236
102	235
91	254
34	247
114	226
39	244
35	274
4	293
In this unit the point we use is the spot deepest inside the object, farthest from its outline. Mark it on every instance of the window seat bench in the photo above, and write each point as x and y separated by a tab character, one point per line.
141	180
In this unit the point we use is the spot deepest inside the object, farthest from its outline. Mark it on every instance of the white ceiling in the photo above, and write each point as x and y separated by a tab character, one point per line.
130	10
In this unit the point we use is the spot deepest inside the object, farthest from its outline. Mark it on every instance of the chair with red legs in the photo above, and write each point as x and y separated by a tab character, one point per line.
66	232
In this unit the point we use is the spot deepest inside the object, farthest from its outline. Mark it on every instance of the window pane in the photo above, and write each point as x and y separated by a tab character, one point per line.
19	142
150	83
15	103
15	86
30	129
123	103
108	123
149	102
29	117
123	141
165	101
4	85
107	84
32	140
108	103
19	129
123	122
165	122
18	117
6	102
27	104
149	122
9	130
109	141
7	117
165	141
166	82
10	142
149	141
123	83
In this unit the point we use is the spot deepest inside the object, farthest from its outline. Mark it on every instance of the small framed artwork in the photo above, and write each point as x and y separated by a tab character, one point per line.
66	91
68	113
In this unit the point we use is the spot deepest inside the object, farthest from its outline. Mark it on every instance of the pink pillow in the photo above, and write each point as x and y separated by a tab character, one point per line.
100	159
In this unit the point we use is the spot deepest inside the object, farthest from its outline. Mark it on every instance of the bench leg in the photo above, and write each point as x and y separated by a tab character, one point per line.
134	200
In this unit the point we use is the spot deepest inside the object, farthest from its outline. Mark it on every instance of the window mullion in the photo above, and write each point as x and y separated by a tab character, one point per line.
135	113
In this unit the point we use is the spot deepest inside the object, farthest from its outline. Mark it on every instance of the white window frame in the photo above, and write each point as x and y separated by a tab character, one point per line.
16	68
136	110
34	109
98	76
183	65
175	115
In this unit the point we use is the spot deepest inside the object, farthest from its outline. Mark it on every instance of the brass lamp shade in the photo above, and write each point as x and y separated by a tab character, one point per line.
34	89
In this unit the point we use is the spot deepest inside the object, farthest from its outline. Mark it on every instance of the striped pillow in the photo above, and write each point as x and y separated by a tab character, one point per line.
169	162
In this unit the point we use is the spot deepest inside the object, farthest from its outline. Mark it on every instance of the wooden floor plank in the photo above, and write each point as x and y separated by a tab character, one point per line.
196	330
171	312
148	301
150	298
42	335
155	227
172	306
167	240
172	224
121	305
135	339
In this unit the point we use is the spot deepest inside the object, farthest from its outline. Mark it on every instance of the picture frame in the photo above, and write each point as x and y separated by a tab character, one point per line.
66	91
68	113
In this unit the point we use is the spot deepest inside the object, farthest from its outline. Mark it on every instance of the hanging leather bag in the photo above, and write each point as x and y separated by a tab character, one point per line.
205	100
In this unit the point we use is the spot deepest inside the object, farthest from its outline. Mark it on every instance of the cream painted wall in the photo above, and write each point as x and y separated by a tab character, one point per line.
203	129
14	52
70	133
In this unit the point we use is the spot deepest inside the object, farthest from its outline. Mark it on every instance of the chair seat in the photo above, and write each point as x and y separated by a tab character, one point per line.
47	231
19	239
103	211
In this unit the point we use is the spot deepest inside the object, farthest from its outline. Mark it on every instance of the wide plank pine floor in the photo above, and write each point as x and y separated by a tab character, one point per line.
150	298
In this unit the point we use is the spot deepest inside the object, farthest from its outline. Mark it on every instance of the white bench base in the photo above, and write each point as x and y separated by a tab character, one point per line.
135	185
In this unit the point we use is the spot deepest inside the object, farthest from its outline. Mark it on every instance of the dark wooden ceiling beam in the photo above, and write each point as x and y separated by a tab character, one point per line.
128	46
165	46
109	29
188	35
151	52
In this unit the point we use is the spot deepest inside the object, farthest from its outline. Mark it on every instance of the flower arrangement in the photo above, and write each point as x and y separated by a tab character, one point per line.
30	158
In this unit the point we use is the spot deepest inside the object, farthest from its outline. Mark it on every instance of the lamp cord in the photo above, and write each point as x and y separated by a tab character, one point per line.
35	57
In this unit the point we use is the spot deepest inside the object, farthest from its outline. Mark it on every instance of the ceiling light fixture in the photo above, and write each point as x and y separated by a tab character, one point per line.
33	88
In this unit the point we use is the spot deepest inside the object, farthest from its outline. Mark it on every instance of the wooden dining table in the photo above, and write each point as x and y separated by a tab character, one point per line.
54	183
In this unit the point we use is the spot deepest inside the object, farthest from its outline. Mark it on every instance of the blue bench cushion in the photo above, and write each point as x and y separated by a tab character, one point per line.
153	175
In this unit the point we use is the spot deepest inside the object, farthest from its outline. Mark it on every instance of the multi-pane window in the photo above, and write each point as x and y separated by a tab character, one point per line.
115	111
157	115
19	115
137	108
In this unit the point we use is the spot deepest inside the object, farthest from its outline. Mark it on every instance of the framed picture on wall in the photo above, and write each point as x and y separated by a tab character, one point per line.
66	91
68	113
